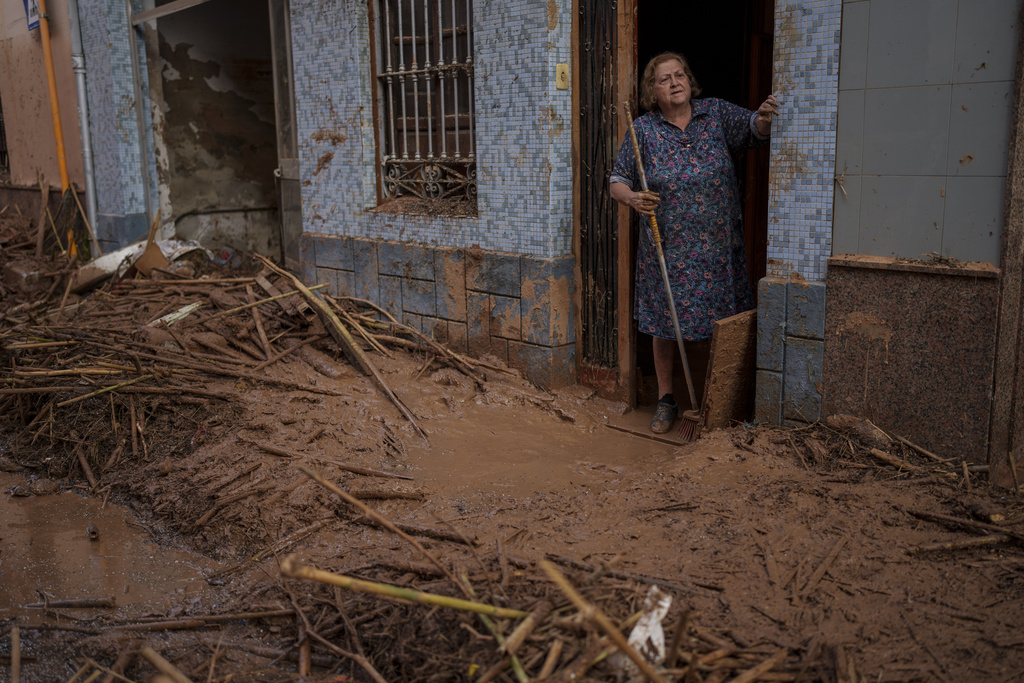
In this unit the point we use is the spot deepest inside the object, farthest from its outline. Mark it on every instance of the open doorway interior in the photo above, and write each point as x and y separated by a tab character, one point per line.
729	47
219	128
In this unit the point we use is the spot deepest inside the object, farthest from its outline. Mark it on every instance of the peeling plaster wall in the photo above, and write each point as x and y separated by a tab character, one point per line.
219	128
24	96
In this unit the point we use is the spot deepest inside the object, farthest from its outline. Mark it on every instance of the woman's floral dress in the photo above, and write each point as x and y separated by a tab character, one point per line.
700	217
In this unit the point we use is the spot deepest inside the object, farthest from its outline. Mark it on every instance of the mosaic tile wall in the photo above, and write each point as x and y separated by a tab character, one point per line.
120	191
523	130
791	300
804	138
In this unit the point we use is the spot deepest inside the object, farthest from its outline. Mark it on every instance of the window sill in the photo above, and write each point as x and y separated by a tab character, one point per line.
462	208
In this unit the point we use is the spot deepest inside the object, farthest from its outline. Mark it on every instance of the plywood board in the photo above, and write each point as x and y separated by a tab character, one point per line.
729	390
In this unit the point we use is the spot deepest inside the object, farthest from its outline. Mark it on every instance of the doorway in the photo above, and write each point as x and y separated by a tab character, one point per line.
729	47
219	129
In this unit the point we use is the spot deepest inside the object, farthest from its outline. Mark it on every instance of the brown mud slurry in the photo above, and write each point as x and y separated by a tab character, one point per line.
789	548
768	553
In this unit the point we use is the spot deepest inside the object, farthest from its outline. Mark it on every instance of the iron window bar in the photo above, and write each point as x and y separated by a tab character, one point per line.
428	146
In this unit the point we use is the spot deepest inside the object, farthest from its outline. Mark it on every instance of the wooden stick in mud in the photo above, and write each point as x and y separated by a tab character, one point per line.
235	616
628	576
163	666
291	567
83	461
416	530
526	627
960	545
216	370
927	454
894	461
15	654
344	338
812	583
244	307
122	662
74	603
290	349
366	510
275	549
754	674
321	661
967	523
103	391
594	614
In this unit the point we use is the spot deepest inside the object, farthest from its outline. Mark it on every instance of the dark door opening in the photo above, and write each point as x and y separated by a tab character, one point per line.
729	47
219	126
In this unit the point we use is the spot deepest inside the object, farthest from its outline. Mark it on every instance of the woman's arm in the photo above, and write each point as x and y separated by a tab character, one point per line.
642	202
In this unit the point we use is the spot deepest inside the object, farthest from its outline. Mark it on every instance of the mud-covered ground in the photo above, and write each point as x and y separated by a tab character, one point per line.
793	546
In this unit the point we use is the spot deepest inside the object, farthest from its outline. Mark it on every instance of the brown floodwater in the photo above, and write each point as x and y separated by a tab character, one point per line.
45	546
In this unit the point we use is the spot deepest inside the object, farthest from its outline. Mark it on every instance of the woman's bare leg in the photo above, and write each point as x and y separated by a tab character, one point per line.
664	356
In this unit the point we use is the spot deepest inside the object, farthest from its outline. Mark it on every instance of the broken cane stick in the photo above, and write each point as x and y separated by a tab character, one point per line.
344	338
595	615
290	567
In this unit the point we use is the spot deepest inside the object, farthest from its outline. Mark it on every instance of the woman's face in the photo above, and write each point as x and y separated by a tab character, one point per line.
671	86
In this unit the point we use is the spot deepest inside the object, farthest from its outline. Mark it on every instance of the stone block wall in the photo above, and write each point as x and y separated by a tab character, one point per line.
518	308
790	350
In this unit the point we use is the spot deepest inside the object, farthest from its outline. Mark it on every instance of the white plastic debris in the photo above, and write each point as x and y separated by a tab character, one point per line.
647	637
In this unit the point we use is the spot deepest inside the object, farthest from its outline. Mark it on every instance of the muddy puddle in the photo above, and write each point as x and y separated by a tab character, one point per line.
45	545
521	451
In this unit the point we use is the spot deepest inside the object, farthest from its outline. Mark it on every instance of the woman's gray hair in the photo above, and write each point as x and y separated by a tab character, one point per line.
647	98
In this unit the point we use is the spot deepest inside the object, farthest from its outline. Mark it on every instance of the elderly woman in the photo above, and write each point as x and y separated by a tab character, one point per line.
685	145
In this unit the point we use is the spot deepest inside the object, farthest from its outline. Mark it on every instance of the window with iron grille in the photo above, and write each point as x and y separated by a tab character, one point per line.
425	96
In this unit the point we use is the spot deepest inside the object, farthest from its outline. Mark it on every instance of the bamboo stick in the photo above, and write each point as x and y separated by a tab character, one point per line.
960	545
592	613
83	603
812	583
347	343
753	674
163	666
287	351
244	307
121	663
927	454
215	370
103	391
366	471
290	567
267	350
526	627
967	523
551	661
894	461
416	530
15	654
374	514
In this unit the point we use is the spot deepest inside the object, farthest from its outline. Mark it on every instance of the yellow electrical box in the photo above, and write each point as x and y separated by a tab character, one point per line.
562	76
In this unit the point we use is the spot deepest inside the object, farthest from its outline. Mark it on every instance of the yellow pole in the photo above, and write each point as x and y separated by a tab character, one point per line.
58	133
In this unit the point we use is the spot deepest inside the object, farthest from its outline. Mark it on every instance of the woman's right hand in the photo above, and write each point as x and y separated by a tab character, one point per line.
645	202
